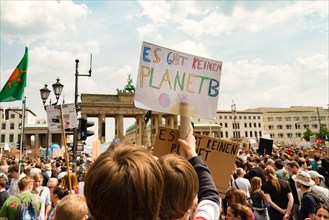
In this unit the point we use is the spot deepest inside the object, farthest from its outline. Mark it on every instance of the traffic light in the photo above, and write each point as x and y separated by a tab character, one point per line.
83	125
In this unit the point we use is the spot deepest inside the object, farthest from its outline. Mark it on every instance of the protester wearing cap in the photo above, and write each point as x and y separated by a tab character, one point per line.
317	178
308	202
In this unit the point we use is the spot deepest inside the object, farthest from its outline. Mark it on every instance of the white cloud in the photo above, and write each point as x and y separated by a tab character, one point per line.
30	21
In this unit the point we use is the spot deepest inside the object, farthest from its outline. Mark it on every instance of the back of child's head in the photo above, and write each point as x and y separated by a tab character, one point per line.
180	186
124	183
73	207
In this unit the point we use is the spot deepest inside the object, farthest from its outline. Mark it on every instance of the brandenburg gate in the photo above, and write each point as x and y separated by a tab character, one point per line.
120	106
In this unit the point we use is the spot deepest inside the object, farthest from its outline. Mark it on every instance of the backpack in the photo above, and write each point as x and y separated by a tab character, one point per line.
26	210
319	199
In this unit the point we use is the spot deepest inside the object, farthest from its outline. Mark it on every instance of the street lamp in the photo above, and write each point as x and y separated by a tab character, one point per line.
233	109
44	93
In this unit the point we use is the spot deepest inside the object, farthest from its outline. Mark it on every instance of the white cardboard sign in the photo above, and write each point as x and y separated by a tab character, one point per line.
167	78
54	117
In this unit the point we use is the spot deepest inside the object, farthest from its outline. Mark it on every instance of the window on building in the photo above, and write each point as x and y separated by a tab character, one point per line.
288	118
259	117
270	127
238	125
3	126
221	134
289	135
12	126
226	134
280	135
314	126
19	138
323	125
255	133
240	117
246	133
254	117
230	117
306	126
221	124
250	125
12	115
260	133
245	117
322	118
297	126
225	125
11	138
245	125
225	117
250	134
233	125
2	138
272	135
20	115
259	125
255	125
220	117
20	125
249	117
279	127
296	118
313	118
288	126
278	118
298	134
270	118
305	118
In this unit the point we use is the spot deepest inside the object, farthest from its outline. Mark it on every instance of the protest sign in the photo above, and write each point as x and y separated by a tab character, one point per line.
265	146
95	150
57	153
54	117
167	78
218	154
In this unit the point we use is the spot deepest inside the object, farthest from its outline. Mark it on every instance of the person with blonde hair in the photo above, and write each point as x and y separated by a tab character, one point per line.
240	197
124	182
73	207
44	194
9	208
184	180
258	199
278	195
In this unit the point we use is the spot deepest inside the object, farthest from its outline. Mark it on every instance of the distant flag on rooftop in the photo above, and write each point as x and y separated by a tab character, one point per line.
14	88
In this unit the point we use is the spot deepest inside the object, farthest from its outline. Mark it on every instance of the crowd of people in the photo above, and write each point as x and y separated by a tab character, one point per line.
129	182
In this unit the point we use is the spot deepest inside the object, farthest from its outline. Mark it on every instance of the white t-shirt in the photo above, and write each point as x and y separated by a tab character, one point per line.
243	184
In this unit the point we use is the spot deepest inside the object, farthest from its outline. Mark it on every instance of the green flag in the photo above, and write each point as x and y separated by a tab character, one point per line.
14	88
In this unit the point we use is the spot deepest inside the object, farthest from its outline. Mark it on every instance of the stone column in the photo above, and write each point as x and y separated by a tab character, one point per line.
139	129
156	122
170	122
37	140
101	126
119	127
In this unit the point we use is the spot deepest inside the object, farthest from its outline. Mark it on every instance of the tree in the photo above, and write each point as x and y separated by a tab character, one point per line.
307	134
324	132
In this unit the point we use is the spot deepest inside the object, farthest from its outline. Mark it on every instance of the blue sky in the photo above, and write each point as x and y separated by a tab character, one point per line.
274	53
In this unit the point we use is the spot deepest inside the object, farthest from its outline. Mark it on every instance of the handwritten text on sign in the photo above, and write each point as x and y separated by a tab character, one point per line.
218	154
167	77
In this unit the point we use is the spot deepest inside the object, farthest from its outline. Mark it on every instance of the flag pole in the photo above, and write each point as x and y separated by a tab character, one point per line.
22	134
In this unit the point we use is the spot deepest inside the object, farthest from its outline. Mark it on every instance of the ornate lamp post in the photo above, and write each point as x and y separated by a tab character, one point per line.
44	93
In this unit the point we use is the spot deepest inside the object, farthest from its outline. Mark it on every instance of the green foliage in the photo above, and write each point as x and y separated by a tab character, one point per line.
307	134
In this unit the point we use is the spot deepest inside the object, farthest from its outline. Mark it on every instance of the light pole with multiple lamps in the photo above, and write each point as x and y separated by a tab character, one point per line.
44	93
233	109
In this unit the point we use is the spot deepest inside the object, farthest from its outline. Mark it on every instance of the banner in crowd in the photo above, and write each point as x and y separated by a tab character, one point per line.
55	119
167	78
218	154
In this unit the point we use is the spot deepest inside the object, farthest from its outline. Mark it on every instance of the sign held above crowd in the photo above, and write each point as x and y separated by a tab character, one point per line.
167	78
218	154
